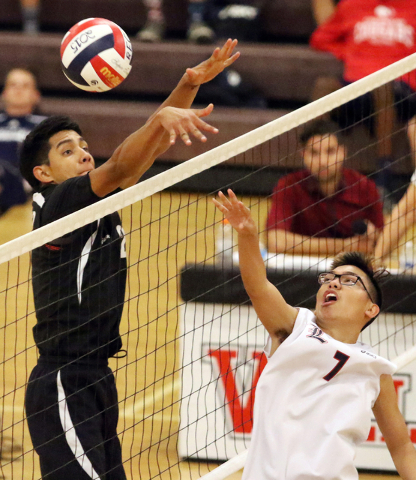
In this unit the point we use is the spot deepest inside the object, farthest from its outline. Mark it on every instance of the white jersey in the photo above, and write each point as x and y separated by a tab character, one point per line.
313	406
413	179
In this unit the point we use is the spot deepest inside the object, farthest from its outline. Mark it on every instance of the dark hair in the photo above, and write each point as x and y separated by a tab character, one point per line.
35	148
364	263
321	128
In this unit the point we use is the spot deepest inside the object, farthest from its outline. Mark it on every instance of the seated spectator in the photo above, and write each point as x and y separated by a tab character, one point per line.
20	97
325	208
30	16
198	30
366	37
403	217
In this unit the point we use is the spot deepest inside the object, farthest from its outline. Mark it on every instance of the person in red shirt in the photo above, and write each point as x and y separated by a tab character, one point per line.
325	208
368	36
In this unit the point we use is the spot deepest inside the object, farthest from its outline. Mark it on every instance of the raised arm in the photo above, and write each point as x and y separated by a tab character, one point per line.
273	311
172	119
394	429
402	218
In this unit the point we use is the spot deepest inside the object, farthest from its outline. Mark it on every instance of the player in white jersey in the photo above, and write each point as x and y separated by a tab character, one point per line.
316	394
402	218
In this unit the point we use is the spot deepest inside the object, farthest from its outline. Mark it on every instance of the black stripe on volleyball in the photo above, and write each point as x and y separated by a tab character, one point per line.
73	71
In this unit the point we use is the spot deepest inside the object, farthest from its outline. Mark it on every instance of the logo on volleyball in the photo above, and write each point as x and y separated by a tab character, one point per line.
96	55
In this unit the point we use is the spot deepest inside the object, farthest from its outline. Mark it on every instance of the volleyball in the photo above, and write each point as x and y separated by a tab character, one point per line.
96	55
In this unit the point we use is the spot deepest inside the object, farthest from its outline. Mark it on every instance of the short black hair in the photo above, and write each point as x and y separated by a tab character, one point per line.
321	128
366	264
35	148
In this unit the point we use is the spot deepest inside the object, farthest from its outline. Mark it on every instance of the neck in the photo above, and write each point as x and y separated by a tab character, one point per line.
340	332
329	187
18	111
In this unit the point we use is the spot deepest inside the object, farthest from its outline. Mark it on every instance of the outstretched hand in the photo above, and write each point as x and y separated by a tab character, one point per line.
236	213
207	70
185	121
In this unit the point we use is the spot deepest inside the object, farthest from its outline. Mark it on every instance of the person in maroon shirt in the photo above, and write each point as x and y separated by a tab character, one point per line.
325	208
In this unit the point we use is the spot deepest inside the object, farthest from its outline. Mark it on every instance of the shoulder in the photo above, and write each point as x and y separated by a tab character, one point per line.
36	118
65	198
357	179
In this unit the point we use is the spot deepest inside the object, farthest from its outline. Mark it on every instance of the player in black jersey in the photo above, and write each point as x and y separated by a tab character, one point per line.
79	279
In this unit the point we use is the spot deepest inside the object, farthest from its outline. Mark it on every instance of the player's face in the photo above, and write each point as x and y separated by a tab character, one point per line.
68	157
324	157
349	303
20	91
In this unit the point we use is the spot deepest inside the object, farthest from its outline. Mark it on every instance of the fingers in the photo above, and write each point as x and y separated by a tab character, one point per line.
186	123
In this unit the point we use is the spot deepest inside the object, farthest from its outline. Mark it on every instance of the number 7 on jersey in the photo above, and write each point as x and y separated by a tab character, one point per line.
342	360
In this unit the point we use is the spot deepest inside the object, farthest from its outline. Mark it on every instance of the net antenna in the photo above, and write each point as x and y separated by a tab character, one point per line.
141	405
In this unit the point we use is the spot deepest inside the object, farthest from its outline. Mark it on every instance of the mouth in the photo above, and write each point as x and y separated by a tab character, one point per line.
330	298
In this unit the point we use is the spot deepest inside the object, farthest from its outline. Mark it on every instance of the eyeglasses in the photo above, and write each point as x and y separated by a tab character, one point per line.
348	279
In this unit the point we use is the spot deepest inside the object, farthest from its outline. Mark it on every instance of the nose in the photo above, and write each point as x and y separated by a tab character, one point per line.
335	283
86	157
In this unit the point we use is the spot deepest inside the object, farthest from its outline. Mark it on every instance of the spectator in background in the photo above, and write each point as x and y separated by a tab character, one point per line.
325	208
403	217
368	36
20	97
198	30
30	16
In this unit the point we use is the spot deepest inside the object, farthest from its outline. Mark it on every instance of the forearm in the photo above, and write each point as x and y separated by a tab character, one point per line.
282	241
402	218
404	459
253	270
181	97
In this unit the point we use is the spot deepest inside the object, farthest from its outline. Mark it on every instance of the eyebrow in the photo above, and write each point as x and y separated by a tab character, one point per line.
69	140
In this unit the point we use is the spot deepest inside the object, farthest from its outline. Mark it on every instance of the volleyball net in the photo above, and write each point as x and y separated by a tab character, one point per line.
194	344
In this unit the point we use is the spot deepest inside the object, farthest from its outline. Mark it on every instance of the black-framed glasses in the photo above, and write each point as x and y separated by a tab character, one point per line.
348	279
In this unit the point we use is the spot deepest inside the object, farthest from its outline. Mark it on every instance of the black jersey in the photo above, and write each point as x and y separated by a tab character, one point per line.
79	279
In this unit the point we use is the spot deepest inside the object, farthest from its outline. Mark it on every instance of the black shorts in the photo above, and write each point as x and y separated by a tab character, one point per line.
362	108
72	413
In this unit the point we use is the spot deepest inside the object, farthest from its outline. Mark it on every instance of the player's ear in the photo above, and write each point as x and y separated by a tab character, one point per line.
373	311
42	173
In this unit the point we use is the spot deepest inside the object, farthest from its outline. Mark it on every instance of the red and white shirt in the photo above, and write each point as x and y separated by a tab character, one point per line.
369	35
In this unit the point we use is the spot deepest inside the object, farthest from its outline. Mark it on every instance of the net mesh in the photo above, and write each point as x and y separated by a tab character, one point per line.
194	345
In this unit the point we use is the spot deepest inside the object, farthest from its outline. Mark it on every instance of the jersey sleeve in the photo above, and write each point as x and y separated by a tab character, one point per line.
68	197
281	213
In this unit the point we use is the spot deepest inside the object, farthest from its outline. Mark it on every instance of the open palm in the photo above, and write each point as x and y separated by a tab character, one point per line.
235	212
207	70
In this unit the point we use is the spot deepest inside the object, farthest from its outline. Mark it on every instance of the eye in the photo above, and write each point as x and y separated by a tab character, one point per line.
349	280
86	149
67	152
